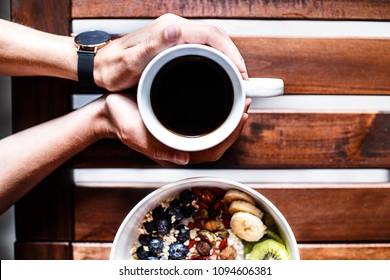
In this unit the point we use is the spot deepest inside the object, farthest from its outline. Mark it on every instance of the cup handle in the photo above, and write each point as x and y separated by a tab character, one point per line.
263	87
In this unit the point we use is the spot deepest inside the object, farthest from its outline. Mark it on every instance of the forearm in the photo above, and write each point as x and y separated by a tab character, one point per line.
29	156
29	52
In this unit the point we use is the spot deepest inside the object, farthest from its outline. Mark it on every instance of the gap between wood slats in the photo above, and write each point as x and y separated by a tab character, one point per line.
151	178
329	251
346	9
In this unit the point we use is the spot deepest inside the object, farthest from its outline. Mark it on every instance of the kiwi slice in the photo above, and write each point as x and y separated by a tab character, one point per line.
274	236
270	223
248	246
268	249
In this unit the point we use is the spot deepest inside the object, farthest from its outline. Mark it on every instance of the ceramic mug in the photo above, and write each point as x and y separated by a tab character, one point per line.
191	97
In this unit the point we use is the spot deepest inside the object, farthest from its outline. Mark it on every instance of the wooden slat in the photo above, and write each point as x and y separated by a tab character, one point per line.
320	66
43	251
376	251
311	9
91	251
369	251
316	213
45	213
334	213
282	140
99	213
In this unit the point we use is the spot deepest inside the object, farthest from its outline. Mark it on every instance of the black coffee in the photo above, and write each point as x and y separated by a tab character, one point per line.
192	95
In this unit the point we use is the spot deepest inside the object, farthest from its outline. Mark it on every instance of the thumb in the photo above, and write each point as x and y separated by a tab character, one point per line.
159	41
171	34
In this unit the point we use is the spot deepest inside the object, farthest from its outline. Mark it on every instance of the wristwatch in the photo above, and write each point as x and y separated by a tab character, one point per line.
88	44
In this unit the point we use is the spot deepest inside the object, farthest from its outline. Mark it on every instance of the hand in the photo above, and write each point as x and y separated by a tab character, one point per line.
123	121
119	65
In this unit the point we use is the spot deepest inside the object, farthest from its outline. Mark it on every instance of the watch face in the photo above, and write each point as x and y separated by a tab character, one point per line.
92	38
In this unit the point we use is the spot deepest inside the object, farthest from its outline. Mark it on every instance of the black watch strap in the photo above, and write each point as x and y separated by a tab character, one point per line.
85	68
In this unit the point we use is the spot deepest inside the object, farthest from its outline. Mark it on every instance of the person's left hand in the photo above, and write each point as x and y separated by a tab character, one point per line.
118	66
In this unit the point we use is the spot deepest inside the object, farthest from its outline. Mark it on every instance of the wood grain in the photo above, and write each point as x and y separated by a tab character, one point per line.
91	251
316	213
281	140
43	251
369	251
99	213
311	9
46	212
322	65
319	65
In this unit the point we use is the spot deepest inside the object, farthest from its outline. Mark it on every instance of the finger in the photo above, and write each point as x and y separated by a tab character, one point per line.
157	42
248	102
216	152
217	38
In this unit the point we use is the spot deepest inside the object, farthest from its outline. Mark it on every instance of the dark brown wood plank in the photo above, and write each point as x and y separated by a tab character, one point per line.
43	251
311	9
329	251
282	140
316	213
320	66
99	212
46	212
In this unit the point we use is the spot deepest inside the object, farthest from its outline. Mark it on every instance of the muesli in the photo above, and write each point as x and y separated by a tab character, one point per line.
208	223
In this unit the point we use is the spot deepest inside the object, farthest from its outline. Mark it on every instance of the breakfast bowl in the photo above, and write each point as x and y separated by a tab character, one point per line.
204	218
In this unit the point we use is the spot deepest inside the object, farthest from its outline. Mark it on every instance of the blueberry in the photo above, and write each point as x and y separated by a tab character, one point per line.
152	258
163	226
158	213
144	239
188	210
175	212
141	253
183	234
150	227
174	203
156	245
177	251
187	196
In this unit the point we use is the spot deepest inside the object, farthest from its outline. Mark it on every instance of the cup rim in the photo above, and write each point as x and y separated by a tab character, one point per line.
181	142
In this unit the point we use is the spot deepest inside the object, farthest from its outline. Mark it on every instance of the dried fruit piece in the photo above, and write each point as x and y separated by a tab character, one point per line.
211	225
229	253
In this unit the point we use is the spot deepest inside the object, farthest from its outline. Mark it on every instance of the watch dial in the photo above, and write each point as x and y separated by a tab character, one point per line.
92	38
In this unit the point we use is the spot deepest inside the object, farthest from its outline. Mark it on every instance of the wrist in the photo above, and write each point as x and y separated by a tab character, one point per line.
101	124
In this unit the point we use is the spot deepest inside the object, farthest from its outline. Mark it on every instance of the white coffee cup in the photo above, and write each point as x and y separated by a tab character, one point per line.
191	97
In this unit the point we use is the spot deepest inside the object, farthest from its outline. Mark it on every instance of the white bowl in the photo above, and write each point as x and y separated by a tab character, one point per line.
127	233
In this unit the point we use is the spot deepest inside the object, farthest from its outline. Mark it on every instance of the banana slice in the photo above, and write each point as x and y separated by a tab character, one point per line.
247	226
243	206
234	194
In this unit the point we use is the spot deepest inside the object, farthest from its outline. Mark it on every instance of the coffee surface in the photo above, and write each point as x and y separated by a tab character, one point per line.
192	95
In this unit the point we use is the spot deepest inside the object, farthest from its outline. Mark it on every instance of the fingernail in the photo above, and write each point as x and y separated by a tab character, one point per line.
181	158
245	76
171	33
